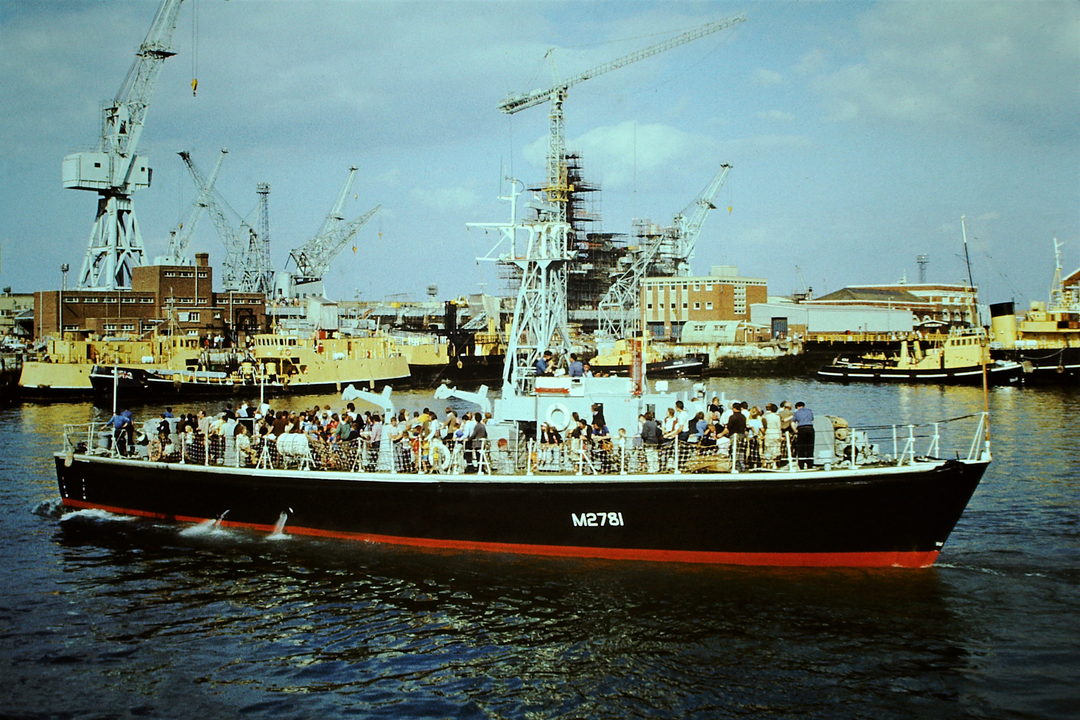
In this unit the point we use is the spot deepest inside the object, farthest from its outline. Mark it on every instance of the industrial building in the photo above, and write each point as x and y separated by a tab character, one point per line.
936	306
722	295
162	298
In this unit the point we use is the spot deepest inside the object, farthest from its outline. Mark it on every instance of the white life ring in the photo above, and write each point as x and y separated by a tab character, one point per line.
558	416
439	456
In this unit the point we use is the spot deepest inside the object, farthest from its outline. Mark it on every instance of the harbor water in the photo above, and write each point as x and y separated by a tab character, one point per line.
108	617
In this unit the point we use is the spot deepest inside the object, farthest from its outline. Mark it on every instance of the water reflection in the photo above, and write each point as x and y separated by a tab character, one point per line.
354	618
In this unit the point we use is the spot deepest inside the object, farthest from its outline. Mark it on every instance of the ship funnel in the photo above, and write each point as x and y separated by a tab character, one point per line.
1003	325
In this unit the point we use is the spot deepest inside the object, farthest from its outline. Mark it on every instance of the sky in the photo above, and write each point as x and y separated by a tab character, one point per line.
859	133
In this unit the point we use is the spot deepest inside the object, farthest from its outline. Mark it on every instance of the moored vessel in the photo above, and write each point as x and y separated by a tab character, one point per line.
271	363
960	357
1046	341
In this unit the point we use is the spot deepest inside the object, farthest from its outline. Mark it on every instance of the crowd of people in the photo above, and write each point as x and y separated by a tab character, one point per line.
754	438
334	438
348	439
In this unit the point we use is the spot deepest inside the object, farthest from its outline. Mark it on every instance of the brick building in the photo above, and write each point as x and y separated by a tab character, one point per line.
160	296
671	302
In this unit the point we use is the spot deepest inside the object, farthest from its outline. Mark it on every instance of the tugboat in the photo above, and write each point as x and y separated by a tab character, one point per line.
850	503
956	358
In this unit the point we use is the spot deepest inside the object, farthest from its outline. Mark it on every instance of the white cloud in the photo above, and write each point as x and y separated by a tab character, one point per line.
776	115
767	78
960	66
620	150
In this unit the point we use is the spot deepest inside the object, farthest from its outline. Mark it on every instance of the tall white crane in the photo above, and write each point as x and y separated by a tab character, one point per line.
313	258
557	187
114	170
665	253
687	225
246	266
180	238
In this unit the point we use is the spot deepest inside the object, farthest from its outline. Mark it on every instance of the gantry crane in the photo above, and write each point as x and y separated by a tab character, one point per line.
557	187
114	170
246	267
180	238
313	258
665	253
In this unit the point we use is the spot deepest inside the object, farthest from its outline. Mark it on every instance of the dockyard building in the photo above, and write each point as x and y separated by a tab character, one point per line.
722	295
162	298
935	306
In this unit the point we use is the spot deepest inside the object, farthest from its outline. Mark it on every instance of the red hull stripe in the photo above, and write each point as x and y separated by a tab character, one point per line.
891	558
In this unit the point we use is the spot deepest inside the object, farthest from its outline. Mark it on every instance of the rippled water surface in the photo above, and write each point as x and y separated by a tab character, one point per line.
109	617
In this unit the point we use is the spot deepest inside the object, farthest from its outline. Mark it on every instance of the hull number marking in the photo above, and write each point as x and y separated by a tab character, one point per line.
601	519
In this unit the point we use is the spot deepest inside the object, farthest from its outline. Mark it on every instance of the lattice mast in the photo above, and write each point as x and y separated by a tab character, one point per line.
114	170
538	249
557	185
260	267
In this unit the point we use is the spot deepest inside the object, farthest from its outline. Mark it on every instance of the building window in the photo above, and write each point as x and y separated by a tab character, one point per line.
649	306
130	301
89	299
128	326
186	301
697	286
202	275
146	300
672	306
708	287
684	306
108	299
697	306
708	306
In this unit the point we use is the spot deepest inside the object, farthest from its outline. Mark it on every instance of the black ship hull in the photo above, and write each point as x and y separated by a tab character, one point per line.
971	375
887	516
691	365
134	383
1058	366
464	370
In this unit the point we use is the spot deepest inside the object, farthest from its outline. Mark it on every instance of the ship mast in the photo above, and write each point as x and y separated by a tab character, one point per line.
538	249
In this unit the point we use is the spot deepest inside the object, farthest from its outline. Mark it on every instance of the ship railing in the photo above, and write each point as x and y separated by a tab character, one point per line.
849	447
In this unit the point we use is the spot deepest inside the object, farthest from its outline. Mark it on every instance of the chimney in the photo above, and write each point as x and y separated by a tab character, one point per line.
202	259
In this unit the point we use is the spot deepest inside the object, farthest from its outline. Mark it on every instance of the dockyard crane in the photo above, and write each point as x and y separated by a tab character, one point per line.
557	187
687	224
668	252
246	266
180	238
313	258
114	170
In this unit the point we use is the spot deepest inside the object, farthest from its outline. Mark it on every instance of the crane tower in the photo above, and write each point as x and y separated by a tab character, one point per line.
114	170
313	258
557	185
